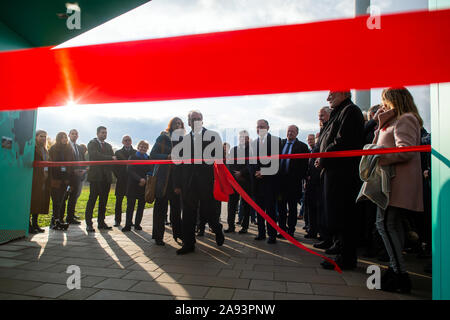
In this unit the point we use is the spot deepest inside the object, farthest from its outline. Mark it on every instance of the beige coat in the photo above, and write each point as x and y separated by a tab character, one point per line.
406	186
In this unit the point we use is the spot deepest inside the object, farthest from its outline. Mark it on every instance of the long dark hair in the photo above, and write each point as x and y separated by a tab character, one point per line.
169	128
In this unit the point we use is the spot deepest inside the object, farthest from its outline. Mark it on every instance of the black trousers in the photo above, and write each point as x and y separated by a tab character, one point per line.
58	201
194	200
267	203
232	207
118	209
312	208
287	211
73	198
100	190
131	202
160	214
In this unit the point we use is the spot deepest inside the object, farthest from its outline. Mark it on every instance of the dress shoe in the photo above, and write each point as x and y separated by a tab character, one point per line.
279	236
310	236
201	233
393	282
185	250
117	224
137	227
272	240
329	266
260	238
76	217
73	221
38	229
229	230
159	243
32	230
90	229
242	231
323	245
220	238
104	227
126	229
334	249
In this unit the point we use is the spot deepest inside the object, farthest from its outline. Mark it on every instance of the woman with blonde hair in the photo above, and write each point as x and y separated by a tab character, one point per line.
399	125
40	191
136	187
60	178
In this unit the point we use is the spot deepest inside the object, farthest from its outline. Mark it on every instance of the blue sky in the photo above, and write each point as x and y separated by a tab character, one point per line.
164	18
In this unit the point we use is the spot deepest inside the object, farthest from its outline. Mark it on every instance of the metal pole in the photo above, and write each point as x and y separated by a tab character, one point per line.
362	97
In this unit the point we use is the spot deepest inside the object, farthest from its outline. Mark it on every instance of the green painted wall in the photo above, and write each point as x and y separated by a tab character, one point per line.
440	128
16	158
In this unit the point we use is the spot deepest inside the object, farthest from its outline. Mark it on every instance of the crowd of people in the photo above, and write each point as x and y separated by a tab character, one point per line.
378	203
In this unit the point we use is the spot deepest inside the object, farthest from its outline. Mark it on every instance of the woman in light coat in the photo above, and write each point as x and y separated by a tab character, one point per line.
399	125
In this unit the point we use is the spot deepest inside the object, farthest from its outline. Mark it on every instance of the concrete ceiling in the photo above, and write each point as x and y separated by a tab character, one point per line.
42	23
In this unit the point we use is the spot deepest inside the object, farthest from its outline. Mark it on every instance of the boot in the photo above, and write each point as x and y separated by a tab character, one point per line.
31	229
404	283
34	223
389	281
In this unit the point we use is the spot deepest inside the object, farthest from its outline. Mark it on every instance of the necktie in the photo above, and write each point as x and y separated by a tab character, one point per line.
285	162
76	152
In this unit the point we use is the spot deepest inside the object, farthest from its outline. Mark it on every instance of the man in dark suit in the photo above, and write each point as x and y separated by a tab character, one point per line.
195	181
121	174
100	178
312	191
76	179
292	173
340	176
241	171
266	178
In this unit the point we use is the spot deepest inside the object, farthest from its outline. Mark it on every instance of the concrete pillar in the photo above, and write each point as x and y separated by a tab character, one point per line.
362	97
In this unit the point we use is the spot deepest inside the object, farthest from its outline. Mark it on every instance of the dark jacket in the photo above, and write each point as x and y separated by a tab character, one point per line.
62	152
100	173
134	175
340	176
120	171
369	131
243	166
344	131
292	179
40	190
197	177
268	183
164	173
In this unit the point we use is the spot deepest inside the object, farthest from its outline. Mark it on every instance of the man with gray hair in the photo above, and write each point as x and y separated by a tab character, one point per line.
195	180
340	176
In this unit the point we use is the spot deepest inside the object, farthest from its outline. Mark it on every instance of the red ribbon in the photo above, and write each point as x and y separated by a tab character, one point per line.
334	154
227	180
409	49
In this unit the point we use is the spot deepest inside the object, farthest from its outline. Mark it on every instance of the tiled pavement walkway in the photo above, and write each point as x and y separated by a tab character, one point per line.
116	265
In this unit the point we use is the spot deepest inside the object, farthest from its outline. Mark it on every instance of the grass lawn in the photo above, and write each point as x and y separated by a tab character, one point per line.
44	219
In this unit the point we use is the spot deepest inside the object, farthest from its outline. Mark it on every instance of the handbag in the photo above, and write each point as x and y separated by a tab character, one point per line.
150	188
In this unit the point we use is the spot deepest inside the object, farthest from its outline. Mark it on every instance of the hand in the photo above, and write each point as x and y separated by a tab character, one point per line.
177	191
169	156
317	163
114	157
237	174
258	175
426	174
142	182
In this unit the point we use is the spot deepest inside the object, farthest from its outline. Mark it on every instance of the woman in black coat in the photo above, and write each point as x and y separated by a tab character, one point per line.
60	178
136	187
164	183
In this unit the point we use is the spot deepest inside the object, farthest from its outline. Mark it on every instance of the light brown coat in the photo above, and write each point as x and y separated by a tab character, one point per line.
406	186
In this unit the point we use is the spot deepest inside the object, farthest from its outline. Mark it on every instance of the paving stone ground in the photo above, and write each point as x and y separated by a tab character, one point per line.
117	265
